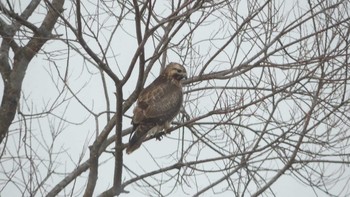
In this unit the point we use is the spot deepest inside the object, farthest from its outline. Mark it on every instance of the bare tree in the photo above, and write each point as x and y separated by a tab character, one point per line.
267	96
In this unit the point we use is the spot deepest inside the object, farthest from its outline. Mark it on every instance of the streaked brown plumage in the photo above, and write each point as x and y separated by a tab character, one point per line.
157	105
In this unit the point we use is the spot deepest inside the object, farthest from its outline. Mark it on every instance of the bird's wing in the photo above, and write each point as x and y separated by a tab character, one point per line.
158	103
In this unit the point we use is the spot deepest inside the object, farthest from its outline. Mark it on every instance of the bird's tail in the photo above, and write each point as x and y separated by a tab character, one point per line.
137	138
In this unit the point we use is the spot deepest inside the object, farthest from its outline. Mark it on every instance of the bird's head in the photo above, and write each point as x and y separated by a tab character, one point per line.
175	71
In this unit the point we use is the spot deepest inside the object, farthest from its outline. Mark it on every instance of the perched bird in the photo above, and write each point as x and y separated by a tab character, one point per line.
157	105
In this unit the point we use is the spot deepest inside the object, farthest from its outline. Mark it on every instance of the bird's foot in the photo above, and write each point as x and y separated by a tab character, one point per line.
159	136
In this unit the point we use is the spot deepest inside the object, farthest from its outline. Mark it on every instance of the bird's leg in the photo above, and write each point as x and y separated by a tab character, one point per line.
167	127
160	135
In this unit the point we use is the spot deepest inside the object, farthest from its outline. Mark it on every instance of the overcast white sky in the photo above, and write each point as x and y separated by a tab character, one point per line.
40	91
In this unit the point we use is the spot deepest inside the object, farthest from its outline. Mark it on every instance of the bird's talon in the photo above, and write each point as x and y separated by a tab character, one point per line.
159	136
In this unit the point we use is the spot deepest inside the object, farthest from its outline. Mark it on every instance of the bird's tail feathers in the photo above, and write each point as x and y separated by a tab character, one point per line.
137	138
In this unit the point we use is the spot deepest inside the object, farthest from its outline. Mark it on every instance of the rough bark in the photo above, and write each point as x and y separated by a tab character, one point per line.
13	77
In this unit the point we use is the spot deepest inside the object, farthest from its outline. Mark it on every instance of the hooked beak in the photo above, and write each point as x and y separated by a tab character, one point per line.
184	75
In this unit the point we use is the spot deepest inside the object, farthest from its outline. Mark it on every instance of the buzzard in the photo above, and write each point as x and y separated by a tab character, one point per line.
157	105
